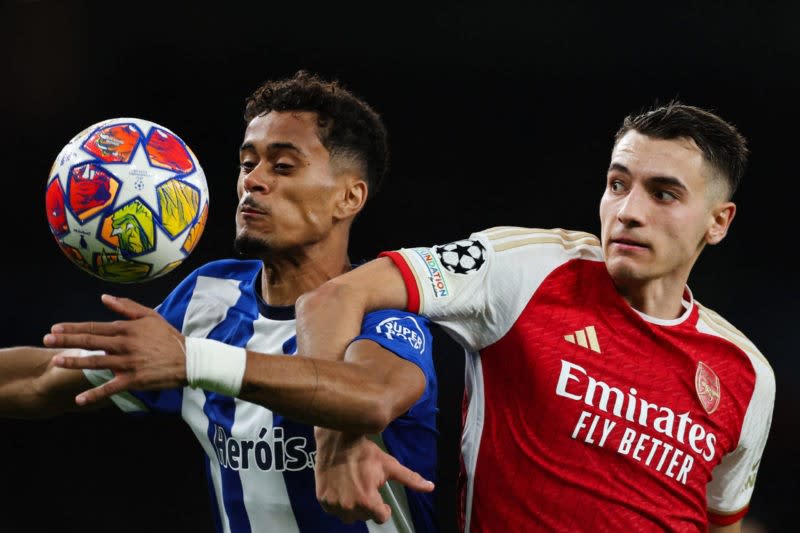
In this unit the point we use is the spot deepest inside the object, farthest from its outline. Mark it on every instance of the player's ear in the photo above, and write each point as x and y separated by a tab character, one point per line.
721	218
351	198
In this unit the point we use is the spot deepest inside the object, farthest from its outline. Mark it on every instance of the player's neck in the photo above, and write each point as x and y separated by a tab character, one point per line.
285	277
660	298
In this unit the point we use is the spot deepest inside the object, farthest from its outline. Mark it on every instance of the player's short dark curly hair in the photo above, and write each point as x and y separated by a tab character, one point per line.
723	147
348	127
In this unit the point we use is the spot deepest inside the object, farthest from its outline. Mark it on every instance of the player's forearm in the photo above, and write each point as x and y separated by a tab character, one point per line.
329	317
731	528
337	395
30	387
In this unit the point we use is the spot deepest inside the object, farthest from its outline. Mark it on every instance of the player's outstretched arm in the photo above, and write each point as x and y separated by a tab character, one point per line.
330	316
351	470
32	387
362	394
736	527
144	352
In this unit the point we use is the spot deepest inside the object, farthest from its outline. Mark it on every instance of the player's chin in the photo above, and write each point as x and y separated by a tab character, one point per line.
248	244
624	269
252	223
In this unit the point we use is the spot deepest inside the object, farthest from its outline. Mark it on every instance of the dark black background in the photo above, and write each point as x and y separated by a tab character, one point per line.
498	115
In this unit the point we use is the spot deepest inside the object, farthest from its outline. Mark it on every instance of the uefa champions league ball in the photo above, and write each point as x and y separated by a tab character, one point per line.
127	200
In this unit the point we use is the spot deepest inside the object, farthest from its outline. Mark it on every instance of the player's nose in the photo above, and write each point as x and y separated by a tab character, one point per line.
257	181
632	209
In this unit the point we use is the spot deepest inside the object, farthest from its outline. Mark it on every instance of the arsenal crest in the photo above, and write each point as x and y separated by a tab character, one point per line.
707	384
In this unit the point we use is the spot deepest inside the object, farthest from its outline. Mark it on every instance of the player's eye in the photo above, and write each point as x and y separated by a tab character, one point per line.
665	196
246	167
283	168
615	186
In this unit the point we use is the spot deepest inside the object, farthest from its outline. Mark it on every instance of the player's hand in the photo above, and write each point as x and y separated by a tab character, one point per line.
144	352
350	470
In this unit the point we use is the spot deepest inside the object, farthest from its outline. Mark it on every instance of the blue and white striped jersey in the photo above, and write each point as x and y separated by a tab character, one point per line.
259	463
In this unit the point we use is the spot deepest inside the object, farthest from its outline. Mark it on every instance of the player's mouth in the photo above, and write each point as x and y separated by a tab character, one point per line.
249	208
624	244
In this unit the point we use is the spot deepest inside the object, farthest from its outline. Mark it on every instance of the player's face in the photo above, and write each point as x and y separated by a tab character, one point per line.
658	210
286	185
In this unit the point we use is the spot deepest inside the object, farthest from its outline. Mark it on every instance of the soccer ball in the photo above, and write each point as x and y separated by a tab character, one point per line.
126	200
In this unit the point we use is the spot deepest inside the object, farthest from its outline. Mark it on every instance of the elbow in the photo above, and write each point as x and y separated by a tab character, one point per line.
311	300
374	410
376	418
386	403
328	293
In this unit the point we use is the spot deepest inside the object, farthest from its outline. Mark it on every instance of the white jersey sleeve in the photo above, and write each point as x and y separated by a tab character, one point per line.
476	288
126	401
733	480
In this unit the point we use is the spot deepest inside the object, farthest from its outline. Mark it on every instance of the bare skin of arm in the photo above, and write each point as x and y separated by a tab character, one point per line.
736	527
350	469
362	394
370	389
331	315
31	386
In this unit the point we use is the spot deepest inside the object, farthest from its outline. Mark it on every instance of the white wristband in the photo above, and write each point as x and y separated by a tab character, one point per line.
215	366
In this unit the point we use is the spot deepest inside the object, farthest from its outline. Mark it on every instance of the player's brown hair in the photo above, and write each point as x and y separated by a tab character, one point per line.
723	147
348	127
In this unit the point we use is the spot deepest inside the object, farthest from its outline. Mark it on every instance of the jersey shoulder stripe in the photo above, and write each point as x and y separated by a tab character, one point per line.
727	331
729	491
506	238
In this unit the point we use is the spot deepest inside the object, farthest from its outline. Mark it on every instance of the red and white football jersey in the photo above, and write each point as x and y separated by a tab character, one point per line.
581	413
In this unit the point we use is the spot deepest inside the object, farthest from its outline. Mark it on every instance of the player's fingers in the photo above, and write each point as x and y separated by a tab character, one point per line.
77	352
353	515
106	390
325	507
378	510
81	340
407	477
339	511
349	510
91	362
93	328
370	507
126	306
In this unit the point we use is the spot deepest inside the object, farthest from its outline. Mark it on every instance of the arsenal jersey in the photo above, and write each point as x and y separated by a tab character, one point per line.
581	413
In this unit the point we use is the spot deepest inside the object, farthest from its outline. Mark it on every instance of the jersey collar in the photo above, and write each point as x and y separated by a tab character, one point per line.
272	312
687	301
